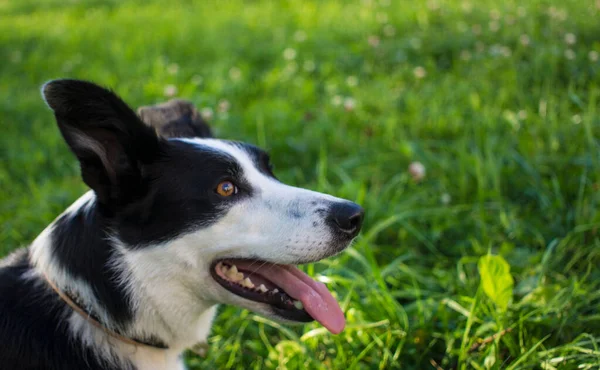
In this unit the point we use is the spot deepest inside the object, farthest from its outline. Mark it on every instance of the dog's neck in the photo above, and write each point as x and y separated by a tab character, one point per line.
79	256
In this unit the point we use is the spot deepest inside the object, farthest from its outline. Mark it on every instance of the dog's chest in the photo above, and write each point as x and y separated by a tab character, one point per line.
144	359
171	359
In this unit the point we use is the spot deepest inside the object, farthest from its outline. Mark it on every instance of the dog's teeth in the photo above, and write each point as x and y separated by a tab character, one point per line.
275	290
298	305
234	275
247	283
263	288
224	269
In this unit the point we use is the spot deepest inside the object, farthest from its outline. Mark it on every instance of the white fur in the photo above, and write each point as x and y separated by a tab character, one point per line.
120	353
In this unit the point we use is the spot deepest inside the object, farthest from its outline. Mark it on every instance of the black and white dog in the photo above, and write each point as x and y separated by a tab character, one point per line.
130	275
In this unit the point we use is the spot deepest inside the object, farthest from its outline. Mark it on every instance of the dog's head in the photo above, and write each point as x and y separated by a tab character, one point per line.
208	216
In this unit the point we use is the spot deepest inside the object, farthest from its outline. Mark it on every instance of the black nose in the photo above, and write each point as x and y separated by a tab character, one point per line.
346	217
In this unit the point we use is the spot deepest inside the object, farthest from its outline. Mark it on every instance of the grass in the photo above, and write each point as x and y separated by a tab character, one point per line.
498	100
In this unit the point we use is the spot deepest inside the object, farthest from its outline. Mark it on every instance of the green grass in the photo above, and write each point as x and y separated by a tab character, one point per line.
506	121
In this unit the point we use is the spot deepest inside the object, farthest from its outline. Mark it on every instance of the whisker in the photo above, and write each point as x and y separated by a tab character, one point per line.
259	267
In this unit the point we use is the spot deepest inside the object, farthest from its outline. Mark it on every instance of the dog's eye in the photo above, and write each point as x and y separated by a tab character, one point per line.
226	189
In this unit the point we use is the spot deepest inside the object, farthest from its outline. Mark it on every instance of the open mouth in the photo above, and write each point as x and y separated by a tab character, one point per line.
289	292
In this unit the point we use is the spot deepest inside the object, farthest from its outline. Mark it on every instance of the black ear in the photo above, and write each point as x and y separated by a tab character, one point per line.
175	118
110	141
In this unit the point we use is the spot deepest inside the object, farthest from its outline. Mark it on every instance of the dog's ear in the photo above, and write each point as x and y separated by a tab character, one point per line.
175	118
110	141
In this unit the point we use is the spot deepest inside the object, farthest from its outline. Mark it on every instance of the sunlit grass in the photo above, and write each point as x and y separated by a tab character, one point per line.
497	100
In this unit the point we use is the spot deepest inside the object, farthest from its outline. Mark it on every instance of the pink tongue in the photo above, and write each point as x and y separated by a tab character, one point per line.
315	297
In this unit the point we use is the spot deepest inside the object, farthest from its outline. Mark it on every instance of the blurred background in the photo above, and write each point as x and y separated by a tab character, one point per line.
468	130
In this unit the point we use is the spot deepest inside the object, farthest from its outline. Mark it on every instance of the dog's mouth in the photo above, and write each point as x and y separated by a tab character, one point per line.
289	292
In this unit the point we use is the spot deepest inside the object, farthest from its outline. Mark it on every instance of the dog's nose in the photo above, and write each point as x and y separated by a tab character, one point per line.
347	217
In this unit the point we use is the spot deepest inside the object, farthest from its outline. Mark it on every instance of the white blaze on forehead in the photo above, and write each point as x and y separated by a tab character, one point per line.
253	175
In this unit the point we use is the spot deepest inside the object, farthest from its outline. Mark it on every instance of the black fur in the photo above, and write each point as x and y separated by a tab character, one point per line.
110	141
149	189
80	246
181	196
33	332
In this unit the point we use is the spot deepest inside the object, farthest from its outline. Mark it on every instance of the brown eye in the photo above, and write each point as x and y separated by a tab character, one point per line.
226	188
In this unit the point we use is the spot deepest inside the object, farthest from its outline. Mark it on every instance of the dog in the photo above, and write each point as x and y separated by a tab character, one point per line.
176	223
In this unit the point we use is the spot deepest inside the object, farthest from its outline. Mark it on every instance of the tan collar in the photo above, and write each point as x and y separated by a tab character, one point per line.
94	321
